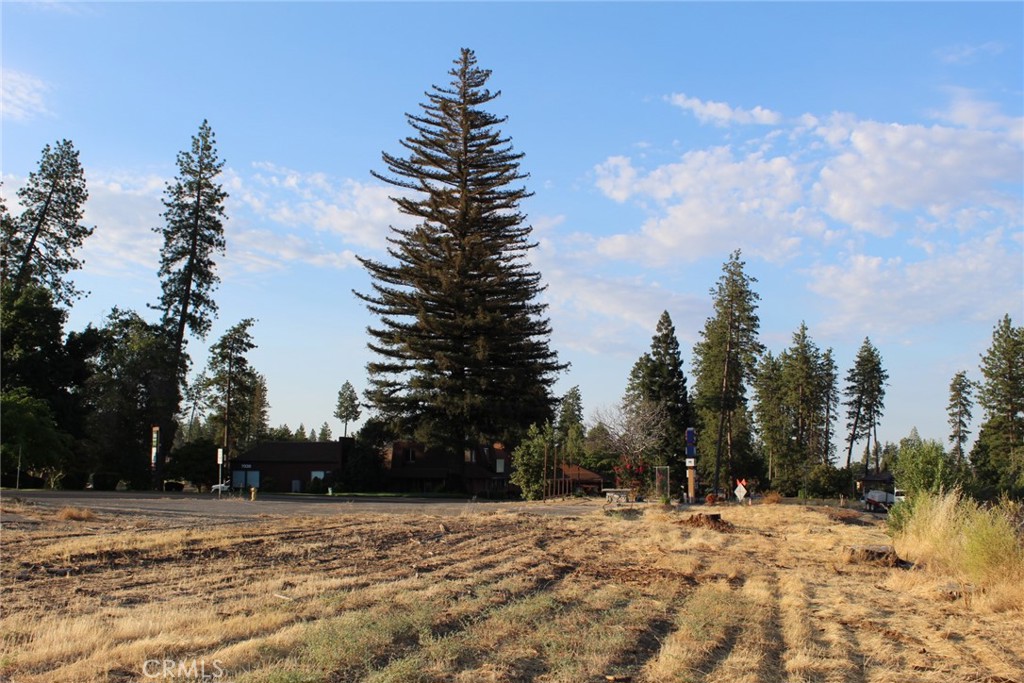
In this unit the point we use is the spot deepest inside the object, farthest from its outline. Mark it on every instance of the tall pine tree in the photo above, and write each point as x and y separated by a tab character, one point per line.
724	363
865	400
37	246
193	235
959	412
462	344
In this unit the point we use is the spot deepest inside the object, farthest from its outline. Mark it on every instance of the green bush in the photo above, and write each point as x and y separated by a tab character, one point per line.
951	534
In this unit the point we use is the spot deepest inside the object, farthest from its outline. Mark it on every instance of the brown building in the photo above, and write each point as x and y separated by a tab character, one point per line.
574	478
482	471
291	466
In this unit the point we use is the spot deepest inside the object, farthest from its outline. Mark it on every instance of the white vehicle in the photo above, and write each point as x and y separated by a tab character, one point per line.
221	488
883	500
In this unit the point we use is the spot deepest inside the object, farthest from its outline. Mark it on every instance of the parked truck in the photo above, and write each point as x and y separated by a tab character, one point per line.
881	501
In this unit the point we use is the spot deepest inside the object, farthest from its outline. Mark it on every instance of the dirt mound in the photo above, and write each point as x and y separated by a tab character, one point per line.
708	521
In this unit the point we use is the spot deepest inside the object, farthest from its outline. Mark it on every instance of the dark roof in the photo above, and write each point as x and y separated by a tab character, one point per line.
876	476
293	451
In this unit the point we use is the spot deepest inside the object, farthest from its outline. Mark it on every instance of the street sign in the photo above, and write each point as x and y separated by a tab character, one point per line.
220	456
691	451
741	492
691	462
691	436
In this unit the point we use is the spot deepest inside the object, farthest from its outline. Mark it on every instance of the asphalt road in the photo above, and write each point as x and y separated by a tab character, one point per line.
230	508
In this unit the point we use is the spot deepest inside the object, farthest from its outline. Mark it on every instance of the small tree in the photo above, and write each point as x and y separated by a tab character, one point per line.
959	411
529	459
924	466
325	433
634	431
347	409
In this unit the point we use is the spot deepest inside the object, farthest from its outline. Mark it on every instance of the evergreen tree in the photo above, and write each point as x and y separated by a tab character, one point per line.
570	413
325	433
959	411
830	397
462	347
865	396
658	377
38	246
193	235
347	409
725	361
233	384
773	419
998	455
1001	392
127	395
795	400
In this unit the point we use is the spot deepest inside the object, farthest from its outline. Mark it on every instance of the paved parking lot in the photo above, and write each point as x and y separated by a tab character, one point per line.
236	508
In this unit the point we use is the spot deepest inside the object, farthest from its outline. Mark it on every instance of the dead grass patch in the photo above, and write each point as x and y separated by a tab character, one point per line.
76	514
484	597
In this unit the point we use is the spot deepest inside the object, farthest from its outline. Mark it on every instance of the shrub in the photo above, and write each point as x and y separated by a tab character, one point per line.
772	498
954	535
73	514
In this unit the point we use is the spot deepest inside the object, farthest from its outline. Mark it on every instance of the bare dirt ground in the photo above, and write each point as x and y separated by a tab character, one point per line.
767	593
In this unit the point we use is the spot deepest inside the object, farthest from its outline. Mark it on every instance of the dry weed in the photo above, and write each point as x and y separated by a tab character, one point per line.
75	514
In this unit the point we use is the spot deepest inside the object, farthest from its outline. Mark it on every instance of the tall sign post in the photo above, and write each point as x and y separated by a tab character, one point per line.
220	470
691	463
152	457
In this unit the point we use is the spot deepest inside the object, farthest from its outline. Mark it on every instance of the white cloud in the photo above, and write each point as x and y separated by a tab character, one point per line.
23	96
124	208
710	202
967	53
359	213
954	284
879	168
722	114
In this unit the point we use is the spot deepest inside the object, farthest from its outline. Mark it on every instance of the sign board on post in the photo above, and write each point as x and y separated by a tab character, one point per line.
740	492
691	462
155	448
220	456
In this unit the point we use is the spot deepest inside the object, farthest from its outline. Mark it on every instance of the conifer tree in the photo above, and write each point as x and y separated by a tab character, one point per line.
865	399
462	344
37	246
658	377
795	409
234	386
1001	392
724	363
347	409
959	411
193	235
998	454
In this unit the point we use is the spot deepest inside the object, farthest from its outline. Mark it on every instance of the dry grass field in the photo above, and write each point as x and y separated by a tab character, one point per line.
633	595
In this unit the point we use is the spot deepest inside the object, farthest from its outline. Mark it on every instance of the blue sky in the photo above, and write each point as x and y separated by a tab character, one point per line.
868	159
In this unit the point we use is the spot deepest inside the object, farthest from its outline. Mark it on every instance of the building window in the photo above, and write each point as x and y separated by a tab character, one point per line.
317	474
